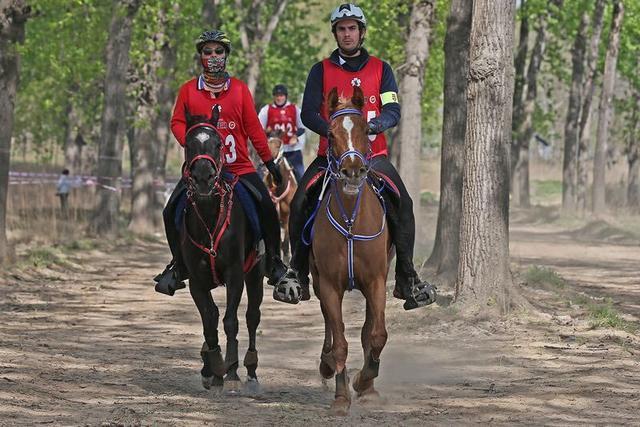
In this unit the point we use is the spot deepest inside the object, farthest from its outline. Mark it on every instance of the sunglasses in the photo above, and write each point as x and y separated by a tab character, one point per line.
209	51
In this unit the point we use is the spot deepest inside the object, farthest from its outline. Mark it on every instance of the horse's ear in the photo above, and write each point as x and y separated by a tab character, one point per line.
188	117
358	98
215	115
332	100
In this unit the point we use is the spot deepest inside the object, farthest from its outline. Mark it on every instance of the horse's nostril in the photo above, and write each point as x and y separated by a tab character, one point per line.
344	172
363	171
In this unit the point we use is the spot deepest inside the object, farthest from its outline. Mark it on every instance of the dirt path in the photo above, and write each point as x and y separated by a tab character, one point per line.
93	344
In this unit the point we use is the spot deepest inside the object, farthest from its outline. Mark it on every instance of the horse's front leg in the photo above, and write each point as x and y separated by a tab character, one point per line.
235	285
373	337
213	365
255	294
331	298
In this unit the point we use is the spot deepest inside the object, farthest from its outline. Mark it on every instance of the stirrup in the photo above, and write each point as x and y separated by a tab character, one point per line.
288	289
422	294
169	282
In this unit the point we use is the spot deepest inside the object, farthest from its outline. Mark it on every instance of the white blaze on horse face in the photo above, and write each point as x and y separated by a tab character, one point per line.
347	124
202	137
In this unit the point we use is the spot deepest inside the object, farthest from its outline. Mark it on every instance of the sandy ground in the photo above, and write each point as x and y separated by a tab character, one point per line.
91	343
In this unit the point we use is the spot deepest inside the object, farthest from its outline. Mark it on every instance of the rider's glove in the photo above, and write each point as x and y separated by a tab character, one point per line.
375	127
274	171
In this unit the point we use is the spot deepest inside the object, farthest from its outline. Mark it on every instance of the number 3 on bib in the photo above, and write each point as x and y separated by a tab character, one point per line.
230	143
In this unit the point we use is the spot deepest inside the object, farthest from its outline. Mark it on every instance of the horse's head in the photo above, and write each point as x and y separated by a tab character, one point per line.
349	148
275	142
203	154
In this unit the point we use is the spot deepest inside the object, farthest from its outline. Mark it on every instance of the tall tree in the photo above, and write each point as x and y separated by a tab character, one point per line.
114	116
484	277
604	110
444	257
520	63
569	174
257	24
158	21
523	129
13	15
633	156
588	88
411	76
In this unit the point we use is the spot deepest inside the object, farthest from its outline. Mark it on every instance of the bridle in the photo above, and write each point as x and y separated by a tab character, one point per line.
216	163
335	164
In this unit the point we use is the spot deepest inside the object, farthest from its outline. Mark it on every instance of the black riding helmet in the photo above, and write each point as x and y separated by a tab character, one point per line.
213	36
280	90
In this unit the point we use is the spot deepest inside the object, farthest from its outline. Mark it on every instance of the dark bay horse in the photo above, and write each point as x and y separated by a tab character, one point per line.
219	247
350	249
282	194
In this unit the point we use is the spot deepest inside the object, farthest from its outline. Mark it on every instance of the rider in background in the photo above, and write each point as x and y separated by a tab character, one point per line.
285	116
237	123
351	65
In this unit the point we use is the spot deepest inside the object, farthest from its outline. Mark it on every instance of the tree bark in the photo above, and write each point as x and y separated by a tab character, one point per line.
255	36
444	257
13	15
210	14
604	110
584	134
105	219
569	178
484	279
410	93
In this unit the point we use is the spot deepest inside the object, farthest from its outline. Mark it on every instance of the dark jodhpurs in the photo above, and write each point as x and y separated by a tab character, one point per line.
267	214
399	218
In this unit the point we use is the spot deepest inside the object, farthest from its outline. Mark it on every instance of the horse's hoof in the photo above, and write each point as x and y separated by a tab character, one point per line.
326	371
340	407
252	386
232	387
371	398
305	294
213	381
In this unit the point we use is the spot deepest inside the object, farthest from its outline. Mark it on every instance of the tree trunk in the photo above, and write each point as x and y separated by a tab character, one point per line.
255	36
518	97
72	141
410	92
604	110
113	125
569	160
524	131
484	278
13	15
633	158
145	145
584	135
444	257
210	14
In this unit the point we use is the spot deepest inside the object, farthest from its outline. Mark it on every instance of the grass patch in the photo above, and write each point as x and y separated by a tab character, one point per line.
547	189
537	275
42	257
428	198
605	316
81	245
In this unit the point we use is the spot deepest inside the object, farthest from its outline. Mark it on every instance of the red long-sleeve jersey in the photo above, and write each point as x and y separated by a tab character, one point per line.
238	121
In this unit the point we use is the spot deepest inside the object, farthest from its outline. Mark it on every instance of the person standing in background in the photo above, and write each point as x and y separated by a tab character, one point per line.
62	190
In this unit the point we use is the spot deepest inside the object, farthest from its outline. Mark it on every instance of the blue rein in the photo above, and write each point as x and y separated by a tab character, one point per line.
332	175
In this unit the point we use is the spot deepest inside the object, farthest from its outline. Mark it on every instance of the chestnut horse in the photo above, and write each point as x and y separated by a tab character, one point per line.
282	194
350	249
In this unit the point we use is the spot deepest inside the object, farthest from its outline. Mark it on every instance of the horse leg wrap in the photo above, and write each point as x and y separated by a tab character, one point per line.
251	358
213	361
231	357
328	359
371	368
342	385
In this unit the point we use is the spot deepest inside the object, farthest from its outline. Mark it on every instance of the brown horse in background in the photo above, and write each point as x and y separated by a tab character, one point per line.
282	194
350	249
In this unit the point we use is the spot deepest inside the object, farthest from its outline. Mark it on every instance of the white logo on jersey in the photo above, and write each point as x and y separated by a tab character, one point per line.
372	99
232	125
355	82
